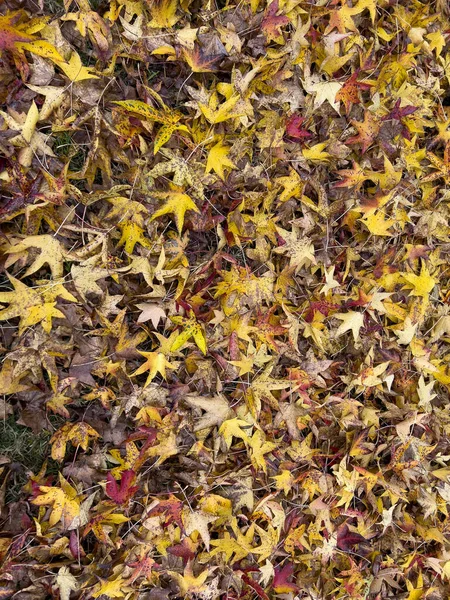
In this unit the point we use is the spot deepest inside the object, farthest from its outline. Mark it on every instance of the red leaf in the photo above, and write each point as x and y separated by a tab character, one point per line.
183	550
294	128
171	509
346	539
281	583
121	494
75	548
255	586
271	24
398	113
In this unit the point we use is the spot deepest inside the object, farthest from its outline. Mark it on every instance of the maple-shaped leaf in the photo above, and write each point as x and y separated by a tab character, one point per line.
234	548
316	153
201	60
398	113
101	526
354	177
75	70
420	285
272	23
325	91
28	139
347	539
33	305
184	550
191	328
216	408
377	224
177	203
122	493
367	131
198	521
78	434
50	253
57	404
216	112
218	160
233	428
64	501
259	447
188	583
171	509
261	390
132	234
151	312
349	94
156	362
10	380
284	481
143	567
115	588
295	130
351	321
293	185
282	581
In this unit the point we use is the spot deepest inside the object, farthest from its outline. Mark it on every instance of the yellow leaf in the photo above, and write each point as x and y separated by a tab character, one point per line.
75	70
217	113
10	381
54	97
284	481
421	285
233	428
30	123
191	328
351	321
163	13
132	234
259	447
76	433
293	185
33	305
50	253
156	362
316	154
111	589
64	502
218	160
148	112
177	204
377	224
188	583
42	48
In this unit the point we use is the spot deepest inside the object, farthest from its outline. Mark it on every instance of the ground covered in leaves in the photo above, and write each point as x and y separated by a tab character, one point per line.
224	299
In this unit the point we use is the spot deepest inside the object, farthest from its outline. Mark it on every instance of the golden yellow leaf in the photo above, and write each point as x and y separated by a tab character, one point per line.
218	160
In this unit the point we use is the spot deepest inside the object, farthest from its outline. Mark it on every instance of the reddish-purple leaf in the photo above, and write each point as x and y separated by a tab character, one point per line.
346	539
294	128
121	494
282	583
